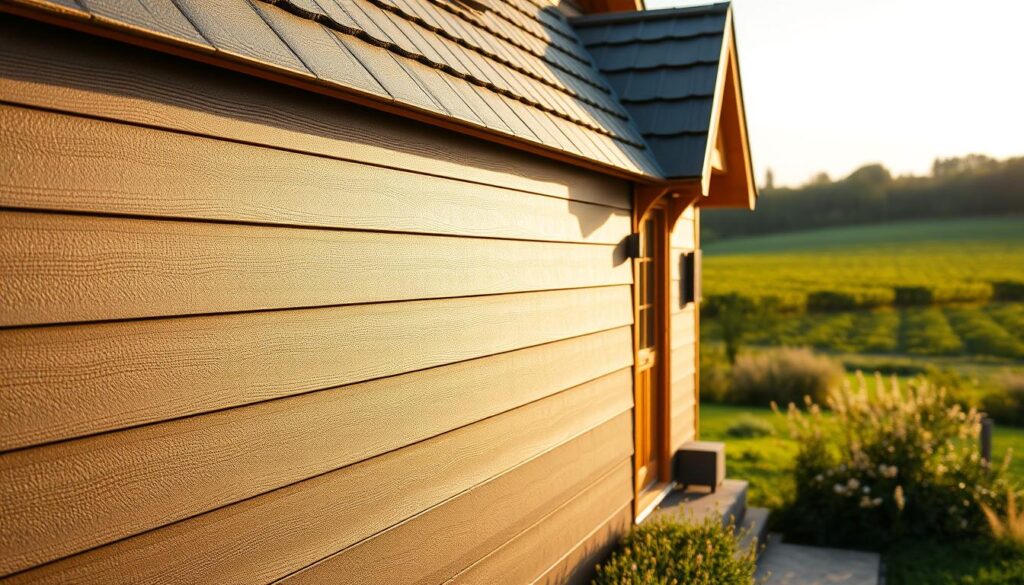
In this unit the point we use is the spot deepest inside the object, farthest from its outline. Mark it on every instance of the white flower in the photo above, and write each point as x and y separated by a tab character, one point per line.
853	483
819	478
866	489
877	501
839	489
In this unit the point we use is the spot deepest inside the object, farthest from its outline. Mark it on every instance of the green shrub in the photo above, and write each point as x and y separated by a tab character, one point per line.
1008	290
748	427
888	464
831	300
927	332
964	292
666	551
782	375
887	366
1006	403
908	296
714	373
982	335
876	331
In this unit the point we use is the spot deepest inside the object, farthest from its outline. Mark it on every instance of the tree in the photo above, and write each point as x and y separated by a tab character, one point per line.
738	315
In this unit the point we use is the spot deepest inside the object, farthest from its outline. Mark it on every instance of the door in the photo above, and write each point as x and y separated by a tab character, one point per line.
649	402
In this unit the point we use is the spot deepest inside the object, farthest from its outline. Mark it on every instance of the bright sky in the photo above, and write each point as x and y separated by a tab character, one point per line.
832	84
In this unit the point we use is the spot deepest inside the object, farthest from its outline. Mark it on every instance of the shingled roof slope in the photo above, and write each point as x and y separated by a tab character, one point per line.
664	66
515	69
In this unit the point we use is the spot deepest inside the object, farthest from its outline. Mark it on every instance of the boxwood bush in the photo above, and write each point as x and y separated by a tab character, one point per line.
672	551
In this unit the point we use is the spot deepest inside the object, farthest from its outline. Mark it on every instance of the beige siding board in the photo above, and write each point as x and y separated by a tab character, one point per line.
683	361
239	453
69	381
85	75
683	398
65	268
528	556
123	169
472	525
684	326
577	567
683	428
273	535
684	232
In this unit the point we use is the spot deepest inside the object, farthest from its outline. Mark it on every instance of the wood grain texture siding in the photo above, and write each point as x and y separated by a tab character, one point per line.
527	557
196	464
474	524
86	75
270	536
684	327
60	268
69	381
684	337
122	169
576	567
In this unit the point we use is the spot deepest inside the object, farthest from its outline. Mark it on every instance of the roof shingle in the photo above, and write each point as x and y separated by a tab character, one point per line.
664	66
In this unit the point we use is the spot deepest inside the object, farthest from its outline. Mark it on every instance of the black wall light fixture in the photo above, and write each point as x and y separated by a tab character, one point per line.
690	277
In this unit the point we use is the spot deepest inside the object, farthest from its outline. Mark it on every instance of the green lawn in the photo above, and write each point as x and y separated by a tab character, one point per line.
766	462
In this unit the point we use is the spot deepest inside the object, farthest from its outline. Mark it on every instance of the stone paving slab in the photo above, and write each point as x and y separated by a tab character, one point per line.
791	564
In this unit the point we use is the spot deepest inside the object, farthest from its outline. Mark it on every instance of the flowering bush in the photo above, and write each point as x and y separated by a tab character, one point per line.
674	552
886	464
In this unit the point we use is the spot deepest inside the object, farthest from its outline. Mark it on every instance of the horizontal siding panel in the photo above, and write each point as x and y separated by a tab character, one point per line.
471	525
528	556
270	536
90	76
577	567
684	327
683	397
683	360
67	268
189	466
684	233
123	169
683	428
69	381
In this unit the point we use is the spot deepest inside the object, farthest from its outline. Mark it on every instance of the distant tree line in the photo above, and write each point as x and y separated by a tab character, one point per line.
973	185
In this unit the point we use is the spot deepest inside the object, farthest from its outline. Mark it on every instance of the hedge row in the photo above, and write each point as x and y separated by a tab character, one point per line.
872	298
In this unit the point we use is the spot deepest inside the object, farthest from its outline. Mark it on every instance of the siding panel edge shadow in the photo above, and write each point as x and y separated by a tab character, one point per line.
270	536
71	268
69	381
197	464
115	168
472	525
80	74
529	555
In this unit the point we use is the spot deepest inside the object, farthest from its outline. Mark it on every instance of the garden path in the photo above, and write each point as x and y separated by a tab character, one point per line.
791	564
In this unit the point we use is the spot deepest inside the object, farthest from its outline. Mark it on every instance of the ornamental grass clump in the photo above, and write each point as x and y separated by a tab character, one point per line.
674	552
887	464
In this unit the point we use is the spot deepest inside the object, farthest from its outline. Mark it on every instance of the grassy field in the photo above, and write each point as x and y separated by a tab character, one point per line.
765	461
995	330
957	259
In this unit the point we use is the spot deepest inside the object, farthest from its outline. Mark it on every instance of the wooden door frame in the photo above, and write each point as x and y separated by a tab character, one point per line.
644	500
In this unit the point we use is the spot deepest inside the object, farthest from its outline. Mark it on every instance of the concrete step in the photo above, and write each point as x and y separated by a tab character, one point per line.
755	527
695	504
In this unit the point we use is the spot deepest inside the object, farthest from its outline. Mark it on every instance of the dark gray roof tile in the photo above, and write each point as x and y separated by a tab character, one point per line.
663	65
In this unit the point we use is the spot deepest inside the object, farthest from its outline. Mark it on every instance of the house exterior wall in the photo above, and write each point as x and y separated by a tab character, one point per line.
248	334
684	321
